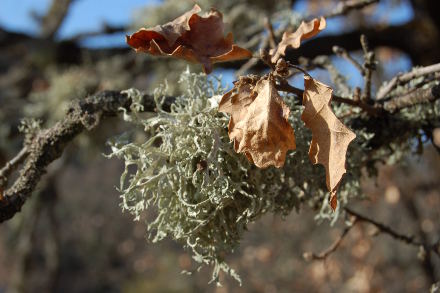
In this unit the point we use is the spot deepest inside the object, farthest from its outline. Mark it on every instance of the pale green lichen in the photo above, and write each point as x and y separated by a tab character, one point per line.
202	193
205	194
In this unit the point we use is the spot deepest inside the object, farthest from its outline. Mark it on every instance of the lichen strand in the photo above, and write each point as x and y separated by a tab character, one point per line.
203	193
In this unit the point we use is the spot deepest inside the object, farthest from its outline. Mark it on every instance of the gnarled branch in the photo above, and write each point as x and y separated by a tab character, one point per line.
85	114
49	144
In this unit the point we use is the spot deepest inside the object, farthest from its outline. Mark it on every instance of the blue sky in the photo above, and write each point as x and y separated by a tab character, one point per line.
89	15
85	15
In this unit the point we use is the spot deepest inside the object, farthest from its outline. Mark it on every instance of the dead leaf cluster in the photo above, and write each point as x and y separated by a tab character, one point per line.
293	40
195	38
330	137
258	125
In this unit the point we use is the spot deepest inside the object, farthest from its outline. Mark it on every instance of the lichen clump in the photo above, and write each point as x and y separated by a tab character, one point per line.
203	194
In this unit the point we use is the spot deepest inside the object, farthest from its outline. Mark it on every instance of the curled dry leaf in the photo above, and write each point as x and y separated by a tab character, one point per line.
190	37
259	124
330	138
305	31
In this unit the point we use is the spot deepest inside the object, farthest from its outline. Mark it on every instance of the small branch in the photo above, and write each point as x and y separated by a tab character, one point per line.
383	228
270	32
266	42
344	54
410	240
424	254
11	165
368	67
299	68
284	86
371	110
402	78
106	29
251	62
418	96
49	144
344	7
325	62
52	21
332	248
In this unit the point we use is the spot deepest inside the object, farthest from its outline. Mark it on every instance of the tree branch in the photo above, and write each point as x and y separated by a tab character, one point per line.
368	67
391	106
412	98
49	144
106	29
402	78
344	54
371	110
424	53
332	248
11	165
52	21
344	7
410	240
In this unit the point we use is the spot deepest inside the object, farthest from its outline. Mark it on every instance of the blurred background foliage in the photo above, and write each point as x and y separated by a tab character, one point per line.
72	235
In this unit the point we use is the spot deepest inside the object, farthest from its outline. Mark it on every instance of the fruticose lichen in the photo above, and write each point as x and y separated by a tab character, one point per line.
201	192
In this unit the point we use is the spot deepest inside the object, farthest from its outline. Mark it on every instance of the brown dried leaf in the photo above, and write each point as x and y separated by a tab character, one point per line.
190	37
305	31
259	123
330	138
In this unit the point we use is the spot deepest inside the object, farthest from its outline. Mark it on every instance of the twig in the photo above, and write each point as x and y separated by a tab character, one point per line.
24	247
372	110
52	21
106	29
368	67
332	248
418	96
424	255
402	78
299	68
11	165
48	145
85	114
270	32
344	54
250	63
383	228
344	7
396	235
266	41
284	86
324	62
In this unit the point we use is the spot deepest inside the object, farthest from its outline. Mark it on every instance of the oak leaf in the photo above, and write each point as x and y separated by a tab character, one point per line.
305	31
330	137
259	124
191	37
